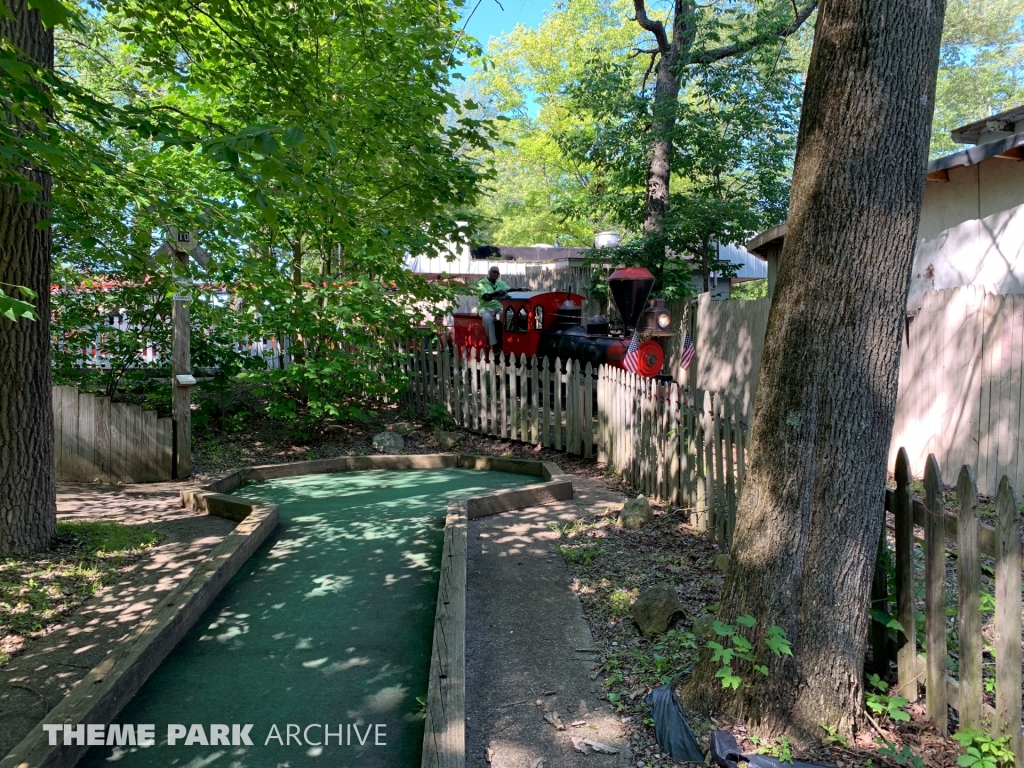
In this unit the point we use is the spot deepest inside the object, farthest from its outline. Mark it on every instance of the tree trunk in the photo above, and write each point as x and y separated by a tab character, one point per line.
28	515
809	520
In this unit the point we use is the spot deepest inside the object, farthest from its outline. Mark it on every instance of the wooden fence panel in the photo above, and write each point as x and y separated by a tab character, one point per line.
93	441
904	518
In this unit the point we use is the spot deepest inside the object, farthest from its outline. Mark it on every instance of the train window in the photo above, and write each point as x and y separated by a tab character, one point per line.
538	318
510	319
522	320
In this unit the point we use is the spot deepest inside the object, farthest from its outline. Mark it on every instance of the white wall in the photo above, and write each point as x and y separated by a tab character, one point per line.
972	231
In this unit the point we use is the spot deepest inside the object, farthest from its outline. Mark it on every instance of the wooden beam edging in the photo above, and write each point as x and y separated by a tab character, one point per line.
444	731
103	692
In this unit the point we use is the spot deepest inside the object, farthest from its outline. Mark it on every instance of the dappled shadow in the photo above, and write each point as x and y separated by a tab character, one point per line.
36	679
330	622
527	639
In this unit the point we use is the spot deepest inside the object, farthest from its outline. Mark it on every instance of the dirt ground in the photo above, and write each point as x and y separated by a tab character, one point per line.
47	668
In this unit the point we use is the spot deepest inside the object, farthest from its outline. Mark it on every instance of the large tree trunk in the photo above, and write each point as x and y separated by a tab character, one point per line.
28	518
809	521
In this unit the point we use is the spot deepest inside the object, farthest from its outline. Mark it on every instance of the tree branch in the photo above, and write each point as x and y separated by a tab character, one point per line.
726	51
653	26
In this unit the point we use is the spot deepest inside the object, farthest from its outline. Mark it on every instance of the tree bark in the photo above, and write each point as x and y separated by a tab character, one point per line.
28	515
808	523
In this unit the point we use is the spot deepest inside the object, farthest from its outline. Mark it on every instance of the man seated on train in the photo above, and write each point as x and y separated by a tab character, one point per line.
489	290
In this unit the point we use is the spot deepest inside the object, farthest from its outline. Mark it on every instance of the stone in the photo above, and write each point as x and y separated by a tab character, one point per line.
447	441
388	442
636	514
657	609
722	563
704	626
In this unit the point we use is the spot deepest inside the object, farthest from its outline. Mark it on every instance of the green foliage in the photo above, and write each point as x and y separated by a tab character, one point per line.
902	756
742	649
981	750
981	66
750	290
439	418
675	650
13	308
310	146
878	702
780	748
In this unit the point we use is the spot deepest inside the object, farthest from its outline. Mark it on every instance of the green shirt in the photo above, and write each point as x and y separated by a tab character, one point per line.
486	286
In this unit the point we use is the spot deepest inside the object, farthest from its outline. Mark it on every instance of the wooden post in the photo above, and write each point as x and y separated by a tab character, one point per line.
492	378
1007	618
935	598
906	655
588	411
534	401
557	391
181	397
968	579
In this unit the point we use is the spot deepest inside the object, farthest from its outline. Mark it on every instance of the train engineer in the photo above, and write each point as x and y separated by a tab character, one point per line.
489	290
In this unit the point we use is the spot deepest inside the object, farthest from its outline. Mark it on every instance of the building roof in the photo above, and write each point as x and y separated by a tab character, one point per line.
989	128
1006	148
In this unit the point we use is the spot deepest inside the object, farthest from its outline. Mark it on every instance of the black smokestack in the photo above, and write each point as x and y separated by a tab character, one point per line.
631	287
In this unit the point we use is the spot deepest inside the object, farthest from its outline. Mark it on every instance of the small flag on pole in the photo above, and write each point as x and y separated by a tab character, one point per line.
688	350
632	361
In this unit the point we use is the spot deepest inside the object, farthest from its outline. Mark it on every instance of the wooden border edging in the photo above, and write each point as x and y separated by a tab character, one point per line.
108	686
444	732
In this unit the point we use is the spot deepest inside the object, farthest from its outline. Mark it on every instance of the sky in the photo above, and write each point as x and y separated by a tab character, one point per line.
491	19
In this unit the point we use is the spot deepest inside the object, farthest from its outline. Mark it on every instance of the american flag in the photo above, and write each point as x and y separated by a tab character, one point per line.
632	361
688	350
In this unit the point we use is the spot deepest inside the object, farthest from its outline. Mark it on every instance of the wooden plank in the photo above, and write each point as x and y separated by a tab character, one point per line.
1004	454
571	435
730	478
588	411
117	445
904	522
1011	442
86	448
502	424
524	403
165	429
709	463
102	449
741	458
56	395
151	446
545	403
444	738
557	406
136	465
70	437
968	581
1007	616
991	350
674	436
492	378
935	596
534	401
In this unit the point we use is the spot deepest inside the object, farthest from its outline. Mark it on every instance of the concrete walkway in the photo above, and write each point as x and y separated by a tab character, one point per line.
36	680
527	640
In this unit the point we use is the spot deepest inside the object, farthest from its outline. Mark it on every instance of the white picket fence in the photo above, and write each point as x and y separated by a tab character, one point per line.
681	446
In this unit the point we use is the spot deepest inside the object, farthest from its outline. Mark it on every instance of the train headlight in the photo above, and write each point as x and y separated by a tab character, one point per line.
663	320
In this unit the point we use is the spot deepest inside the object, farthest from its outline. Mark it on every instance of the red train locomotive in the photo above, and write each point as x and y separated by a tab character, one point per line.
551	325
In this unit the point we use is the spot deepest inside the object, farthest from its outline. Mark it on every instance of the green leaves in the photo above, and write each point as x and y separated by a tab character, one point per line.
51	12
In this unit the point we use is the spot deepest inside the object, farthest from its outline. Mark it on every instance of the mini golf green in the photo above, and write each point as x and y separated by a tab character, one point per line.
329	623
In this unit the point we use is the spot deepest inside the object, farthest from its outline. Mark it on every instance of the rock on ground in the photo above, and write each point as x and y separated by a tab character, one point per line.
388	442
657	609
446	441
636	514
